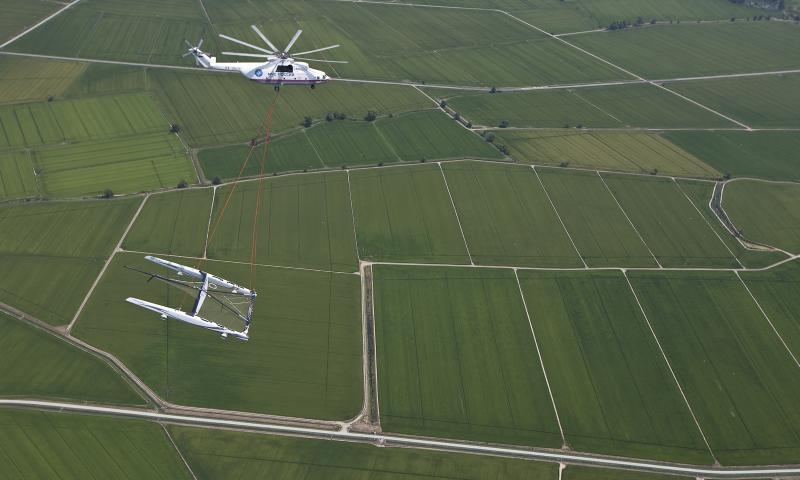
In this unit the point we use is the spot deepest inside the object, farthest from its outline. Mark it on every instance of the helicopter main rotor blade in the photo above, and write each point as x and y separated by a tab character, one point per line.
291	42
200	43
264	37
318	60
187	43
245	44
317	50
256	55
186	54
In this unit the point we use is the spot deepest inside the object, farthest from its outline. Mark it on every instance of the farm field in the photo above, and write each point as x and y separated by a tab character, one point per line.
230	455
469	387
56	445
303	358
17	176
776	292
744	154
612	389
737	376
618	106
506	216
19	14
405	214
54	369
305	221
172	223
766	213
760	102
129	165
105	79
694	50
52	252
351	143
671	226
31	79
631	152
575	472
601	232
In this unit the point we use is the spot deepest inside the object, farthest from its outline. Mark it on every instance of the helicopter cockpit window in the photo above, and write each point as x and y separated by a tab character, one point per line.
284	69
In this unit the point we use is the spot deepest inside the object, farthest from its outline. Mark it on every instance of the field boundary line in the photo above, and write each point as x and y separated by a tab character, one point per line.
669	365
455	211
314	147
353	216
39	24
210	215
178	451
386	142
555	210
758	304
708	223
541	360
117	248
629	219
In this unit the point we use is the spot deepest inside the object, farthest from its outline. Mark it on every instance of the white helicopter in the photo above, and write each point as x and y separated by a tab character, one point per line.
277	66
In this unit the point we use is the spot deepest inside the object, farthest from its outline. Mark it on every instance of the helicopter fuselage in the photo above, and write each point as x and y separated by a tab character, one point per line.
276	71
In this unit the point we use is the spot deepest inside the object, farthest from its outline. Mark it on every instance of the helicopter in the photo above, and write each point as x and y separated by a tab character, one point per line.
277	67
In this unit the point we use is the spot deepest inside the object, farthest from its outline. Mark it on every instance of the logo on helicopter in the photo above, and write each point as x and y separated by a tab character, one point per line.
259	72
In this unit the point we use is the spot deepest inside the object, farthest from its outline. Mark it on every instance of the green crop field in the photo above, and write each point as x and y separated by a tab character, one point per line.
304	221
105	79
17	176
29	79
55	445
20	14
776	291
737	376
506	216
405	214
614	107
632	152
457	358
689	49
212	108
232	455
671	226
172	223
303	358
602	234
52	252
766	102
575	472
765	213
54	369
130	165
351	143
612	388
751	154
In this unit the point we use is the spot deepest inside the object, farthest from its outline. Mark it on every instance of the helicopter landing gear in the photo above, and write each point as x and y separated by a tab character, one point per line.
277	88
313	86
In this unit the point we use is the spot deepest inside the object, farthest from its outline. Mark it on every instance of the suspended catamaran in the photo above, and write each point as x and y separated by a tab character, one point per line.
219	305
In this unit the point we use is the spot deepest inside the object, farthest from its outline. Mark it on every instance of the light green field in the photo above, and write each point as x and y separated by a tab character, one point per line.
753	154
104	79
286	153
303	358
351	143
213	109
52	252
766	213
575	472
405	214
700	194
129	165
484	382
20	14
54	369
506	216
613	107
677	234
612	388
231	455
56	445
17	176
761	102
602	234
172	223
737	376
632	152
776	291
29	79
689	49
305	221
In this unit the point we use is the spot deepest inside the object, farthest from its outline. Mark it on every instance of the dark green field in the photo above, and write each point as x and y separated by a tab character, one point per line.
776	292
766	213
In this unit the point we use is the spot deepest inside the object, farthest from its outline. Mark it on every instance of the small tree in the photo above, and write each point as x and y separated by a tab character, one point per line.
504	124
442	103
339	116
456	116
329	117
489	137
469	124
183	184
493	89
307	122
216	181
371	116
108	193
174	128
653	21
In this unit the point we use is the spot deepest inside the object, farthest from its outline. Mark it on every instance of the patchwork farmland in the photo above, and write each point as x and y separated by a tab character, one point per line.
506	239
